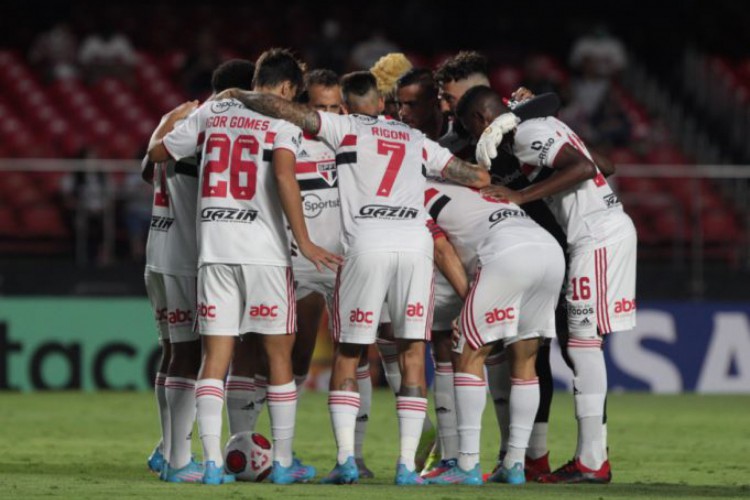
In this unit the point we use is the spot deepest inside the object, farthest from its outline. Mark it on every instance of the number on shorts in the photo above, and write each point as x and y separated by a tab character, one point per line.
243	173
396	150
581	289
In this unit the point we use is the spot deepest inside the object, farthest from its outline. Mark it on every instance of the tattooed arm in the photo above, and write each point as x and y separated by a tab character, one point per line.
267	104
466	173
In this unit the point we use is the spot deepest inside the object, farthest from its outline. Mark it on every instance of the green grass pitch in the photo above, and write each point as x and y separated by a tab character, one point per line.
77	445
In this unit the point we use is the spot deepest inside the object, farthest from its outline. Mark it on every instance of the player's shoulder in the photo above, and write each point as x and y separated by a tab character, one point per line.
538	129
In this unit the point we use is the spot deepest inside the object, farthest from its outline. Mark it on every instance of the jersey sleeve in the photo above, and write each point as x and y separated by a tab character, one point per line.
436	158
182	141
288	137
435	230
537	142
333	128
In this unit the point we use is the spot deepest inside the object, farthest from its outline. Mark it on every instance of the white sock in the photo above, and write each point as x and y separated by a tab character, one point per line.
471	396
389	354
343	407
445	409
364	383
498	380
524	402
181	401
411	413
261	388
538	441
209	401
240	393
161	400
282	406
590	384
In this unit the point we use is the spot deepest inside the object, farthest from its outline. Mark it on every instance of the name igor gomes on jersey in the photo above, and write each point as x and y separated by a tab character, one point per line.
382	165
239	215
590	213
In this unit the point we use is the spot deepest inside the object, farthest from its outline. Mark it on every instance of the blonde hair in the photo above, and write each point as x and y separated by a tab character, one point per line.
388	70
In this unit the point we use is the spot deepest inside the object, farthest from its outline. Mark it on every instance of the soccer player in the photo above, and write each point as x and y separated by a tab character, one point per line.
518	270
387	246
245	283
171	268
600	287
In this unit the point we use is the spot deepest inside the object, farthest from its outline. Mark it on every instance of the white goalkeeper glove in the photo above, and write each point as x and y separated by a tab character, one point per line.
493	136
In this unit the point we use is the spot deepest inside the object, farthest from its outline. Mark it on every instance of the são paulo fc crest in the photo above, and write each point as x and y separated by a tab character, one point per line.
328	172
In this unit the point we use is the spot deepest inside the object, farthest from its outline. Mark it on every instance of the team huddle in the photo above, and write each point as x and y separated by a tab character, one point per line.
417	208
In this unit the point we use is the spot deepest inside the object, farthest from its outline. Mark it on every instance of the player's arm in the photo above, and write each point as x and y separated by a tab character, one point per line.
466	173
447	260
606	166
570	169
291	202
147	170
156	150
547	104
266	104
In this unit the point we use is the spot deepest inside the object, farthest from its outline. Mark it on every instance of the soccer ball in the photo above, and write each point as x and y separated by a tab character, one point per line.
249	456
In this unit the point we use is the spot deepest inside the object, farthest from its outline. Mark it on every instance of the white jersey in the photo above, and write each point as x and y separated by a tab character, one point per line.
240	217
382	166
480	228
319	187
172	247
590	213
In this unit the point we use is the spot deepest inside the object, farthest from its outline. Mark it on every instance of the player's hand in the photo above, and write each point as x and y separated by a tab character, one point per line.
522	94
320	257
183	110
493	136
502	193
455	333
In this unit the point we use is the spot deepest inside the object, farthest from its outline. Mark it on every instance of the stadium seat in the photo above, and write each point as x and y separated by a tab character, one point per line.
8	223
43	221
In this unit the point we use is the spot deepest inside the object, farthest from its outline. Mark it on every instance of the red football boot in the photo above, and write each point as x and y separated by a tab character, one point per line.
535	468
575	472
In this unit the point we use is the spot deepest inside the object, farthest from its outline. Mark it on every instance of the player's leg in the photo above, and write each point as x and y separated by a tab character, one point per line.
240	387
183	367
354	318
388	351
271	313
157	296
220	301
310	306
364	385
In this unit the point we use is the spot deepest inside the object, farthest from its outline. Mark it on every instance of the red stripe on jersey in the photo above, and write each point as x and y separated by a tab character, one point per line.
424	153
436	231
349	140
270	137
307	167
429	194
527	169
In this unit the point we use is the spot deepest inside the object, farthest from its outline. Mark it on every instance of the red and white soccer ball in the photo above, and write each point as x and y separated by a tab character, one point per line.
249	456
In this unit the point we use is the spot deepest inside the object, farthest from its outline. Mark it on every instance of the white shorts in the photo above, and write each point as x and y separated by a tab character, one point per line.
513	297
447	305
173	301
364	282
600	289
323	284
235	299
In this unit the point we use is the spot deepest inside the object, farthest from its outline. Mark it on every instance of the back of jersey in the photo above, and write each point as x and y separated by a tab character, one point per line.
382	166
480	228
172	246
240	217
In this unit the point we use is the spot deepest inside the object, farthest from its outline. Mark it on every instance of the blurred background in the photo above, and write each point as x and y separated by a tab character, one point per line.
664	91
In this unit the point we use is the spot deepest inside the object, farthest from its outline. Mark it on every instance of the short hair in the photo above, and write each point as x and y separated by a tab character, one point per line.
233	73
323	77
388	69
359	83
461	66
418	76
276	66
474	97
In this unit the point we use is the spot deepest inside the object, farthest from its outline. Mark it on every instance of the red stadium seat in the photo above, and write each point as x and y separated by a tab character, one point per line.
8	222
43	221
505	79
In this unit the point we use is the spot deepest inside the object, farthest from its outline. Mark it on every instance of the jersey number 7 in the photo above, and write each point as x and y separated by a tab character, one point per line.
230	155
396	150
